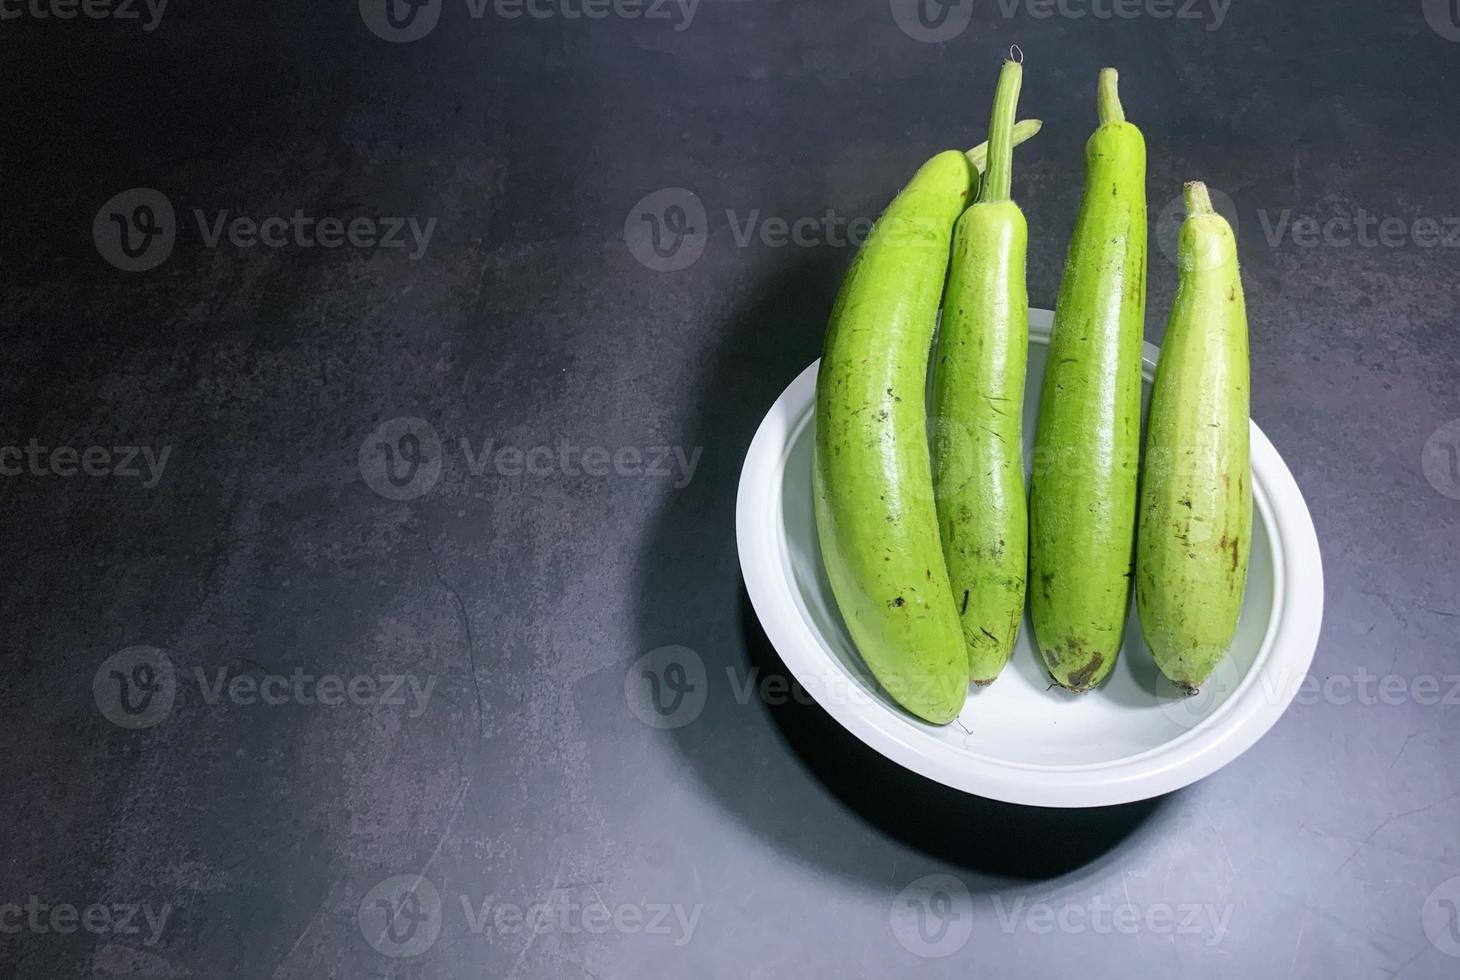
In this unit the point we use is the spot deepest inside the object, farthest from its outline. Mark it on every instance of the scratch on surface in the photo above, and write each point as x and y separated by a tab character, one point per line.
471	643
446	831
1129	904
1389	600
1400	753
1221	841
263	667
694	871
594	885
1386	822
572	962
1405	965
1171	850
1293	964
308	926
568	886
532	934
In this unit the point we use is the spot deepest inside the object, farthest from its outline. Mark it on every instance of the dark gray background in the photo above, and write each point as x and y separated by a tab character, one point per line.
526	598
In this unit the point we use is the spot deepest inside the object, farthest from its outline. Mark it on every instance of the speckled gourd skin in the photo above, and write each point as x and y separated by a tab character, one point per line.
1195	533
872	475
1082	508
978	399
979	445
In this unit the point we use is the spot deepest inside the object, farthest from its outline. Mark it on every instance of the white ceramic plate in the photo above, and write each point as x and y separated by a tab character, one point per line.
1018	740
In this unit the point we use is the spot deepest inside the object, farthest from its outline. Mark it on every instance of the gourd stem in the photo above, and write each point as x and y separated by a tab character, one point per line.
1198	200
1108	97
1024	130
998	182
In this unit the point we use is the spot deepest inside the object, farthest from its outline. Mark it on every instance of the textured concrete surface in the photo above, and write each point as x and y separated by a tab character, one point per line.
192	809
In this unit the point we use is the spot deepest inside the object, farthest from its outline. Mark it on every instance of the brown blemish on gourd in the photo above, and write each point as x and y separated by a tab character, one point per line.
1080	679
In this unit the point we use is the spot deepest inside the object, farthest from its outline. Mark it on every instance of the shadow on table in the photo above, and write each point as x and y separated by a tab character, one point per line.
1031	843
787	769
